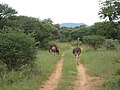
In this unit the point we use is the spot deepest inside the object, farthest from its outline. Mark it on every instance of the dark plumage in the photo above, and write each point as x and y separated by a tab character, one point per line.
76	53
53	48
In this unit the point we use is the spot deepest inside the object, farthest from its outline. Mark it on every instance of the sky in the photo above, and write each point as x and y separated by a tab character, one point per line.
60	11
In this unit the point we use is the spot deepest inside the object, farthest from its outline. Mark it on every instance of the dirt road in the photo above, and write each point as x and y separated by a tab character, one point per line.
83	82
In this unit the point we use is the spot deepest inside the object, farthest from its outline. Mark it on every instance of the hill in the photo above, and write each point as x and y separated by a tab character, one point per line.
71	24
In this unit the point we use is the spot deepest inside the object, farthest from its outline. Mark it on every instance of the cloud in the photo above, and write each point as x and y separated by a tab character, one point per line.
79	11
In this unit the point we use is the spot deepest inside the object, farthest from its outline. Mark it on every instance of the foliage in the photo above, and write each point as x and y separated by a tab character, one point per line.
106	29
16	48
28	78
65	34
111	44
110	9
44	33
5	12
74	33
80	32
29	24
94	41
41	30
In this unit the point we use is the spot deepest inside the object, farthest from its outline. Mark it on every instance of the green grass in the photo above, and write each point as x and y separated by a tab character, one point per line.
102	63
69	72
26	79
99	63
47	61
64	46
31	80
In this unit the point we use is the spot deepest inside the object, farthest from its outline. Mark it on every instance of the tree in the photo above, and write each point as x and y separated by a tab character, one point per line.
48	20
16	48
43	33
80	32
106	29
111	44
5	12
40	29
110	9
94	41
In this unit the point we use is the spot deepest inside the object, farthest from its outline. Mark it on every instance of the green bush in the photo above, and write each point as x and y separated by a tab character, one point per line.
16	48
94	41
111	44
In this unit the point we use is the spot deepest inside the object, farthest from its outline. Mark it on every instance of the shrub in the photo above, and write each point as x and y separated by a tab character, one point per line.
16	48
111	44
94	41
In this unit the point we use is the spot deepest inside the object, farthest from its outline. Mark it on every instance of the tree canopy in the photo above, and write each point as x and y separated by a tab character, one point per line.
6	11
110	9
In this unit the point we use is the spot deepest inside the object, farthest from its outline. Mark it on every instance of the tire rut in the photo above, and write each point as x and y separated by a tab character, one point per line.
81	78
55	77
85	82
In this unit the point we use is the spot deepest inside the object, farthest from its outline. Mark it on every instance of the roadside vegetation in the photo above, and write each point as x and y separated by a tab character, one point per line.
30	78
104	64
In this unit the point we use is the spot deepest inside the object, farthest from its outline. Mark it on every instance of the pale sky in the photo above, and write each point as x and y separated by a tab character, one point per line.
60	11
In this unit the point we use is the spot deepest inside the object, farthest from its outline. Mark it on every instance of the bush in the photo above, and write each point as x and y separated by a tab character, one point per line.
111	44
16	48
94	41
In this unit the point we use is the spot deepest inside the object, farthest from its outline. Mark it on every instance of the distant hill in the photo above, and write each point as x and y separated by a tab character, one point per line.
71	24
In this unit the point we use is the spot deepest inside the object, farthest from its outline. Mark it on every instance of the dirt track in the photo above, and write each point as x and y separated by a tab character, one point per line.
55	77
83	82
80	83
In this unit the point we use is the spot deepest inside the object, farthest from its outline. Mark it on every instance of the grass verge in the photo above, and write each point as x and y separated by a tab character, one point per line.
31	80
102	63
